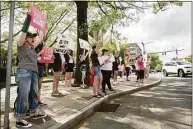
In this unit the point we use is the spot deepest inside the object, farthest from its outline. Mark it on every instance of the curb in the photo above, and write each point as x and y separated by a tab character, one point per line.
84	113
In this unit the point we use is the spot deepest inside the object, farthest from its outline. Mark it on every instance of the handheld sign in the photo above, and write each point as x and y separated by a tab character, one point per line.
84	44
63	44
47	56
38	19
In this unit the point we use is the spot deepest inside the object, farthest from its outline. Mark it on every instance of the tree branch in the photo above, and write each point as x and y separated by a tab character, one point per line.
8	37
102	9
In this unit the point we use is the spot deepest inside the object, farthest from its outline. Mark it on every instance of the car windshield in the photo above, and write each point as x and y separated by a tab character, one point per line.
182	63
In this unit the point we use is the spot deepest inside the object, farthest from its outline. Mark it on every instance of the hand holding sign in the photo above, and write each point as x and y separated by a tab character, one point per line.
38	19
84	44
47	56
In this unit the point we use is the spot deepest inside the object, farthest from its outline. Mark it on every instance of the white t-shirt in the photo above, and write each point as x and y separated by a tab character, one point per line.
109	65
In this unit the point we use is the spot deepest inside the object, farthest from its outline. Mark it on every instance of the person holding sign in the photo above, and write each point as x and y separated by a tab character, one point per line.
127	65
57	68
106	70
41	69
27	76
69	67
97	72
83	66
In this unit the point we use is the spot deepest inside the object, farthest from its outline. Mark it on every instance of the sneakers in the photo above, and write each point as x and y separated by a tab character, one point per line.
38	115
23	124
112	90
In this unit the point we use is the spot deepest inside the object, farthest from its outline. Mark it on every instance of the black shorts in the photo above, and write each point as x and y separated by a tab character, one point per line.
69	67
57	68
141	74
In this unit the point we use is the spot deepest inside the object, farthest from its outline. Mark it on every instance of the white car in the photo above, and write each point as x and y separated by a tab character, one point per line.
181	68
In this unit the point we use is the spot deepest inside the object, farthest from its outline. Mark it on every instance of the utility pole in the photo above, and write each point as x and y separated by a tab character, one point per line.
9	60
144	46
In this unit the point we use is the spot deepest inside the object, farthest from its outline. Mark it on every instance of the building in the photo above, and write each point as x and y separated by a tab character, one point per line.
135	50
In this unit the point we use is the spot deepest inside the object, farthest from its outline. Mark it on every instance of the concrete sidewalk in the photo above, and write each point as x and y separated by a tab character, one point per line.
64	112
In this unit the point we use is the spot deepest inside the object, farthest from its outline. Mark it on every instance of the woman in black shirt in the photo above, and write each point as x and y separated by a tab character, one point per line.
115	67
69	67
83	66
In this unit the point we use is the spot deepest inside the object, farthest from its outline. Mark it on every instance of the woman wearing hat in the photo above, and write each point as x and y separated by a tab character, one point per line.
27	76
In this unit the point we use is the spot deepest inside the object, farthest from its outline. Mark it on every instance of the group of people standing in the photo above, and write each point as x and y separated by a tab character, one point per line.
30	72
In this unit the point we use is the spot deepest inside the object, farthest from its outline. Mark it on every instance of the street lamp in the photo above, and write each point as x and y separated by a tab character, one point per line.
144	46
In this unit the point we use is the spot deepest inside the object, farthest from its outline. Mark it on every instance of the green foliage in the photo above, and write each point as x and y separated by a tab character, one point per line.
112	47
189	59
162	5
155	61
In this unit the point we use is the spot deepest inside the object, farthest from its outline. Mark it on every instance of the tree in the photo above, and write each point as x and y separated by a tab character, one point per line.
189	58
156	62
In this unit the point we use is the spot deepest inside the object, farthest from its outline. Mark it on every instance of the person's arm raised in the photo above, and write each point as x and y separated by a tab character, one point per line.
24	30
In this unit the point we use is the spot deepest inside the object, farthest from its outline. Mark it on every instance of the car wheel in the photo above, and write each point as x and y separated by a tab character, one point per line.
165	73
181	73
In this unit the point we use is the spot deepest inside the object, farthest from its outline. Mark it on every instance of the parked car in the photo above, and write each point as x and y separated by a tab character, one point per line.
181	68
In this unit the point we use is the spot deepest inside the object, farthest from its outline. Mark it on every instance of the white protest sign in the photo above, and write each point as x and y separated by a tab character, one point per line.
84	44
63	44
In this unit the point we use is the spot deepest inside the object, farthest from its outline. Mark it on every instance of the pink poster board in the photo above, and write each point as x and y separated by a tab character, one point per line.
38	19
47	56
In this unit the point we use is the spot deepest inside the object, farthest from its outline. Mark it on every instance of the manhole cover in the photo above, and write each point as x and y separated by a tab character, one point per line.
108	107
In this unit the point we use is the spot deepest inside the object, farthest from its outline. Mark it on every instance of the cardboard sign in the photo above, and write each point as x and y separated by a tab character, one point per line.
47	56
38	19
64	44
84	44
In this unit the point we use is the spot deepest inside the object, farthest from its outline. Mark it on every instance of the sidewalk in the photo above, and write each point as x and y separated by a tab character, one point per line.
74	106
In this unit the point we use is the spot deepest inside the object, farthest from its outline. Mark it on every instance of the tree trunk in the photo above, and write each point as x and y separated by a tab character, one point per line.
82	32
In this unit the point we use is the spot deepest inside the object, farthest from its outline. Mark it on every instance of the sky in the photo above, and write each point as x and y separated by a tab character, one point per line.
168	30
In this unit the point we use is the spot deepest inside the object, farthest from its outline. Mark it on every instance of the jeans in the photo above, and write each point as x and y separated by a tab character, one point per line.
27	82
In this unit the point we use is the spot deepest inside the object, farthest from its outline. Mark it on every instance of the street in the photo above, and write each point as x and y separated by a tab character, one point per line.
167	106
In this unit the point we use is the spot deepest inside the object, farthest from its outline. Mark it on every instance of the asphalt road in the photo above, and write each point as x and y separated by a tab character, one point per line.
167	106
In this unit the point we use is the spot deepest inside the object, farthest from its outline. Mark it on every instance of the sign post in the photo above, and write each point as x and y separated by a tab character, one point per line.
9	61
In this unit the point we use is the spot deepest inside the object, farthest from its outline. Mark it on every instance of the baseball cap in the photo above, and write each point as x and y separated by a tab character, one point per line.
31	35
104	50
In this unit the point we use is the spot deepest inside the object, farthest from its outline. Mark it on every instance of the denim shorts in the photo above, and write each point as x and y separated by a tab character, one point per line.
97	70
83	68
41	70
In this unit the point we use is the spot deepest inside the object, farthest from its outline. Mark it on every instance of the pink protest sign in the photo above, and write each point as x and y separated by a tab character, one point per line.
47	56
38	19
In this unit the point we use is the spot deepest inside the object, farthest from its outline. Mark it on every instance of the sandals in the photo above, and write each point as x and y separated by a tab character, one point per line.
57	94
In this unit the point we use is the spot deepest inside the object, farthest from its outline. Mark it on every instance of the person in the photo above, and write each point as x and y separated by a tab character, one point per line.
140	64
147	66
27	76
69	67
106	70
97	72
115	67
56	68
137	69
83	66
127	65
41	69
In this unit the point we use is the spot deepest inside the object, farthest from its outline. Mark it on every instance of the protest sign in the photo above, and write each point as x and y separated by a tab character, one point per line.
38	19
84	44
47	56
63	44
